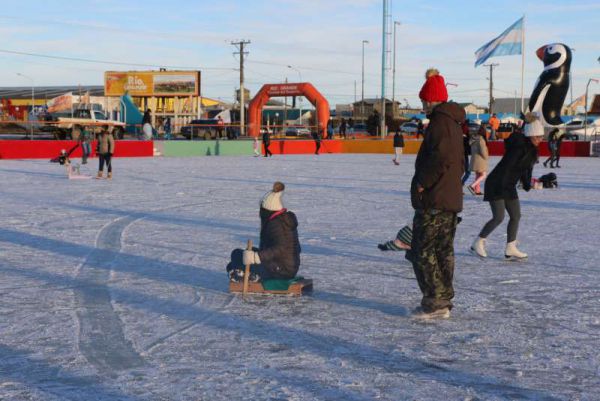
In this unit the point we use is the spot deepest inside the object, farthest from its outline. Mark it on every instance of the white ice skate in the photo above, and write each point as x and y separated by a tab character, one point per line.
478	247
512	253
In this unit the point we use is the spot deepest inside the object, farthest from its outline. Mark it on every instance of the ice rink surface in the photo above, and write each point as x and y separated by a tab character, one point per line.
117	290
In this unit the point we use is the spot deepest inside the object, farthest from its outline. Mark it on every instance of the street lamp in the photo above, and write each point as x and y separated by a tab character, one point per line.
32	99
300	99
362	93
394	68
585	122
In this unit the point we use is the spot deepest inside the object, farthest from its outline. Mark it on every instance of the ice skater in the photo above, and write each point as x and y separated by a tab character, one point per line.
436	196
500	187
554	142
479	161
278	256
317	138
398	146
256	147
266	139
467	149
86	147
105	150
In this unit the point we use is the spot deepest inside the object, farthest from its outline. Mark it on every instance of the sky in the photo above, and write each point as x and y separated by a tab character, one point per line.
321	41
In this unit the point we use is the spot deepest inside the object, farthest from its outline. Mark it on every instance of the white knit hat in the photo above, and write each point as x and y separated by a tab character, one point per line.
534	126
272	200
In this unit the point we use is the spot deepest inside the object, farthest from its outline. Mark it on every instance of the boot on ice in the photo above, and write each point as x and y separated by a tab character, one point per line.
513	253
478	247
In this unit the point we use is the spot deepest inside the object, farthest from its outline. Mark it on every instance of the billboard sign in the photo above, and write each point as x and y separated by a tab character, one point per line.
152	83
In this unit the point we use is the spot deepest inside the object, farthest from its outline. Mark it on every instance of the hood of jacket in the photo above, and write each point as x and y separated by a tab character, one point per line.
451	110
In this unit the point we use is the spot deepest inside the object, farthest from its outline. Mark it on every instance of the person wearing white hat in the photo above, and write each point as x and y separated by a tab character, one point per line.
521	153
278	255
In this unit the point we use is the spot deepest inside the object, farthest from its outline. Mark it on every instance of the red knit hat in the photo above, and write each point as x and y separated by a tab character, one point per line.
434	89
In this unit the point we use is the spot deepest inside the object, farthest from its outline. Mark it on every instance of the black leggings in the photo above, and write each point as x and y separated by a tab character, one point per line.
267	151
513	207
105	158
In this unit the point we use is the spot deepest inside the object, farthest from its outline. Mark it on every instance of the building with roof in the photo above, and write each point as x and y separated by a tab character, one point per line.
509	105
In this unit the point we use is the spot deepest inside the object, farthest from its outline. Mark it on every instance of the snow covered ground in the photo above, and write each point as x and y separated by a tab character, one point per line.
117	291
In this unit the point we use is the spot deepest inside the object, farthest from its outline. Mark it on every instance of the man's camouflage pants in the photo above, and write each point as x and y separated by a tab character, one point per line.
433	257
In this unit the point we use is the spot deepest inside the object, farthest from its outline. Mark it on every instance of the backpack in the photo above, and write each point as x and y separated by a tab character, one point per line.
549	180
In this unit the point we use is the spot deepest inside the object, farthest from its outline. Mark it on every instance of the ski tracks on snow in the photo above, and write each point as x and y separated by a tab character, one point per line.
101	337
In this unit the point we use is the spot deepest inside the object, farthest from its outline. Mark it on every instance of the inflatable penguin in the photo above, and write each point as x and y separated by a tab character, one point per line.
553	84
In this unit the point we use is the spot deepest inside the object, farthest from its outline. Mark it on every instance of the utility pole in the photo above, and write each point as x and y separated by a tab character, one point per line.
385	34
491	107
240	46
396	23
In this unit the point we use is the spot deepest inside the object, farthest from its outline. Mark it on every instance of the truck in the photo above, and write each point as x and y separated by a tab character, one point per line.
92	120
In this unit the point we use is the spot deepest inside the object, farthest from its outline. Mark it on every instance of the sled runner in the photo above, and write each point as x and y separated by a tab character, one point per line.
296	286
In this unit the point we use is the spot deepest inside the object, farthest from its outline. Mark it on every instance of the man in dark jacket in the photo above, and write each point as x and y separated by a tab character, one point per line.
316	135
278	255
436	195
266	140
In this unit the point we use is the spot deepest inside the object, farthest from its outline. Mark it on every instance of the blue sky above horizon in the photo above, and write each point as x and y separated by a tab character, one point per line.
320	39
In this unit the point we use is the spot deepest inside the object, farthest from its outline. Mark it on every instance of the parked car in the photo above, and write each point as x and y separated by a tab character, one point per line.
409	127
505	130
576	129
576	124
201	129
297	131
92	120
473	128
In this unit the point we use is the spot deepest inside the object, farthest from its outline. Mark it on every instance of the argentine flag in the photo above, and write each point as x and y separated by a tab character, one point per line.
508	43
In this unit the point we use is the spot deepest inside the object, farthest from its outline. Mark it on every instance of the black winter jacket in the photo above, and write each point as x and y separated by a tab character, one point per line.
279	249
517	164
440	162
266	138
398	141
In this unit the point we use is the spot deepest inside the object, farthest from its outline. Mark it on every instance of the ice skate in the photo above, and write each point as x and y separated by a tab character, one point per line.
512	253
99	176
478	247
471	190
420	314
109	176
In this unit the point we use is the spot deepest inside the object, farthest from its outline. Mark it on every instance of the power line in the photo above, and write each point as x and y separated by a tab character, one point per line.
85	60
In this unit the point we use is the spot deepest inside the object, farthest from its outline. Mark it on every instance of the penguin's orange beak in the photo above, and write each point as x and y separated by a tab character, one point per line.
540	52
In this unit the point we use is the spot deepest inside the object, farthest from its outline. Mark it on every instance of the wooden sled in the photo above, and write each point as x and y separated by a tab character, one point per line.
297	288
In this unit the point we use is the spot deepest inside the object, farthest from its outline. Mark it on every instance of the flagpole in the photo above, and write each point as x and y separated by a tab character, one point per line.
522	64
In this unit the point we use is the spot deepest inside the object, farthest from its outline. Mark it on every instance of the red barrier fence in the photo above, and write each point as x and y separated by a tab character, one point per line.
26	149
568	148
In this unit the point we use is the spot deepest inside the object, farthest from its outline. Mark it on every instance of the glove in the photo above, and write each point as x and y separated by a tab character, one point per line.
251	258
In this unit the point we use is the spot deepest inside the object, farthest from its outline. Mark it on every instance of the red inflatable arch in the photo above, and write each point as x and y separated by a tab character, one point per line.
277	90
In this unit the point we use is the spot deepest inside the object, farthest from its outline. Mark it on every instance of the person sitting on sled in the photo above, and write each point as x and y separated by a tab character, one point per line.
278	256
63	158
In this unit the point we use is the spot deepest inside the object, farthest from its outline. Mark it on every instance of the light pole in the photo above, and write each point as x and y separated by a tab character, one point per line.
585	122
394	67
300	99
32	99
362	92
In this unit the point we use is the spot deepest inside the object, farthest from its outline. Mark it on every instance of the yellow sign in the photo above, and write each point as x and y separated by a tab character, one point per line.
152	83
